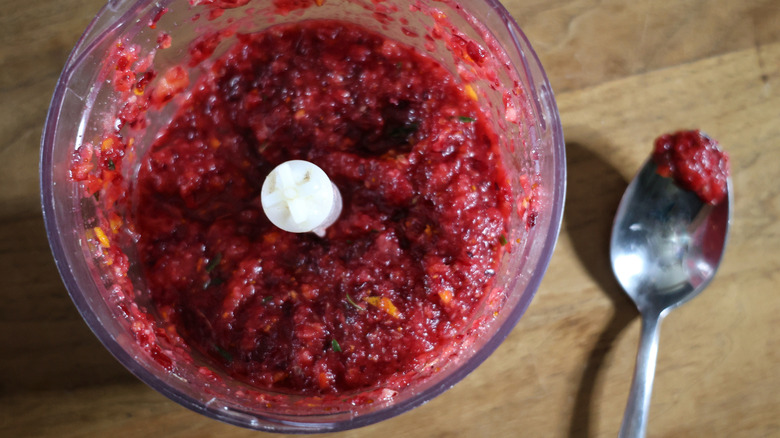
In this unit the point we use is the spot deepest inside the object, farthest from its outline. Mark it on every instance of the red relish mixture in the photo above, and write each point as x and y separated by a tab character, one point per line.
394	282
695	162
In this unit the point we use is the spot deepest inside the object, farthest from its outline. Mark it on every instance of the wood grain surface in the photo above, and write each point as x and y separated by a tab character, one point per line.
624	71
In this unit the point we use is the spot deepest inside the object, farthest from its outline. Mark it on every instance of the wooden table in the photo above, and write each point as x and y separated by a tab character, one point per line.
624	71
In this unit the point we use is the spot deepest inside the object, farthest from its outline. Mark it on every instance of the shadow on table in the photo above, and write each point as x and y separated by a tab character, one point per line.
594	190
45	344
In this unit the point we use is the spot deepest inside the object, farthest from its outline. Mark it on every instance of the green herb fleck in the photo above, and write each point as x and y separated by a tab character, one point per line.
111	165
399	65
214	262
502	240
466	119
356	305
336	347
224	353
267	299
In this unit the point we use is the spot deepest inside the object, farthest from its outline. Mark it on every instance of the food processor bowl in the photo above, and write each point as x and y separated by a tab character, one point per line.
95	255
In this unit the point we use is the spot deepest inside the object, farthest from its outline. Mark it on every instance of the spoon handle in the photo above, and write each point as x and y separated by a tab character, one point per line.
635	418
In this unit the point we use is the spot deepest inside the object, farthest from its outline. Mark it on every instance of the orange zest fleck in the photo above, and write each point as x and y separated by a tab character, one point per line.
115	221
445	295
101	237
383	303
270	238
323	380
107	144
469	90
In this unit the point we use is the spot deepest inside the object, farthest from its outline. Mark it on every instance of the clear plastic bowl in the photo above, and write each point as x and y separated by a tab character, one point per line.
515	92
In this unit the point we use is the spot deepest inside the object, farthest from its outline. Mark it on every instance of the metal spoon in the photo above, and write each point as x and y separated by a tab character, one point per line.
665	248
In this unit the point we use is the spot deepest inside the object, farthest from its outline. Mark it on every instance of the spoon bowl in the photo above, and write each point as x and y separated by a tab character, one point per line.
665	247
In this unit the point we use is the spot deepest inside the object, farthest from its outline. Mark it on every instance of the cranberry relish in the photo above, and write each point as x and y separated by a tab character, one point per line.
695	162
395	281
